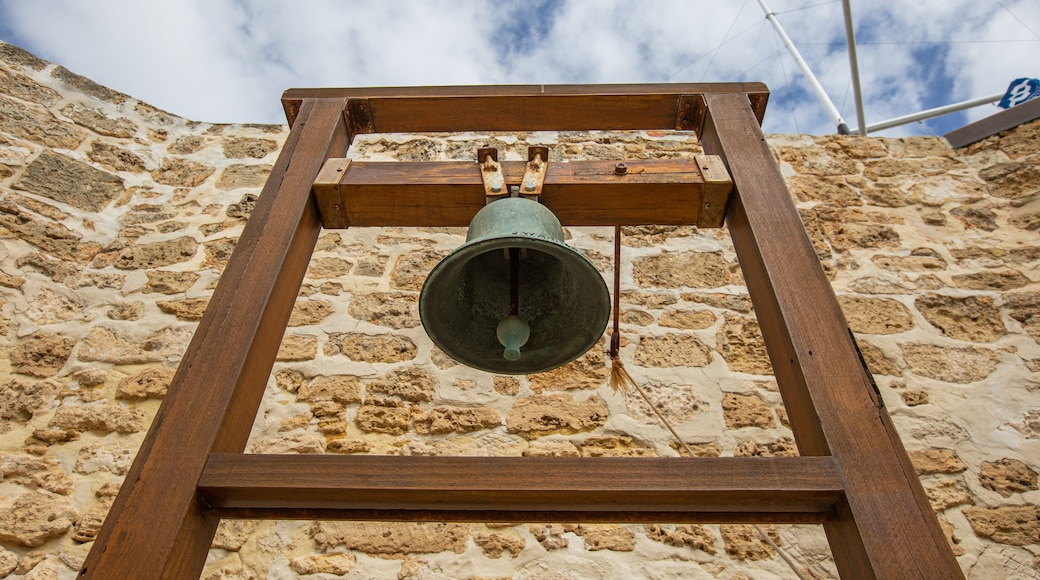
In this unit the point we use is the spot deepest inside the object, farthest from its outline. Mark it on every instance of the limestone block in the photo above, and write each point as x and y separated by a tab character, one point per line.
736	302
973	217
37	125
307	312
289	379
116	158
914	398
372	348
244	208
106	418
685	269
68	181
604	537
869	315
297	347
1017	526
692	535
42	355
408	384
25	88
549	536
1007	476
652	300
845	236
688	320
147	384
126	311
542	415
549	448
327	267
947	493
186	145
677	402
239	176
248	147
508	386
88	524
383	416
1025	308
973	318
190	309
411	269
104	345
182	173
396	310
35	472
950	364
919	260
87	86
99	122
743	542
348	446
166	282
1011	180
821	160
672	350
612	446
8	562
953	541
440	420
829	190
145	213
589	371
157	254
35	517
343	389
1002	280
335	564
98	457
782	447
495	544
20	401
301	443
929	461
392	537
740	343
746	410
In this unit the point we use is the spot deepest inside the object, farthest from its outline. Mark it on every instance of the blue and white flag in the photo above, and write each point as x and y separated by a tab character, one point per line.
1020	91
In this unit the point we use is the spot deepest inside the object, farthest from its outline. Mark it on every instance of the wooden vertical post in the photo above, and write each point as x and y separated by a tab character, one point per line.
156	527
832	401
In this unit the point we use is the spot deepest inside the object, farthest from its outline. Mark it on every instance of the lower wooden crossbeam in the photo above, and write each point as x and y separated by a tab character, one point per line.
522	489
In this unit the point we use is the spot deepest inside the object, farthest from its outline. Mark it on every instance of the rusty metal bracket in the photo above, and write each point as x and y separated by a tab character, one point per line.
690	116
534	172
491	173
359	112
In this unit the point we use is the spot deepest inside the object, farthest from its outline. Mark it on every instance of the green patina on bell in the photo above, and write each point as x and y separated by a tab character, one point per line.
514	299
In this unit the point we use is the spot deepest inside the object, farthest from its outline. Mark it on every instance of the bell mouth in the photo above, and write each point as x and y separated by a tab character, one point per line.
562	297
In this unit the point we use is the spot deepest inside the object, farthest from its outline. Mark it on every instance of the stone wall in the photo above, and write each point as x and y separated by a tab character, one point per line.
116	220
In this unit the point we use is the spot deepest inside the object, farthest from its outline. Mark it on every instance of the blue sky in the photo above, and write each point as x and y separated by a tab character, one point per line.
229	60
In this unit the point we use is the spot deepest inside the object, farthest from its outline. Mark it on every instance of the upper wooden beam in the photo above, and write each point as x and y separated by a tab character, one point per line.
522	489
668	106
580	193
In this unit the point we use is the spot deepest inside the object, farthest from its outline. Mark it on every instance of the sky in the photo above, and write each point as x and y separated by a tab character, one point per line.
230	60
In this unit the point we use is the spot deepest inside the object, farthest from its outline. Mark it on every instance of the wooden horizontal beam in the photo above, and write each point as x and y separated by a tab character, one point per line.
522	489
525	107
580	193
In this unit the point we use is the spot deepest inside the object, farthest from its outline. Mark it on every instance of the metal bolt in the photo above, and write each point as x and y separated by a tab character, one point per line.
620	169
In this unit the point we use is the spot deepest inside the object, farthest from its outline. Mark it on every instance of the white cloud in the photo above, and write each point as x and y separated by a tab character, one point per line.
229	60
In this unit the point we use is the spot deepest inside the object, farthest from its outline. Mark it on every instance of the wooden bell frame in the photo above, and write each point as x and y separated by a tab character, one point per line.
853	475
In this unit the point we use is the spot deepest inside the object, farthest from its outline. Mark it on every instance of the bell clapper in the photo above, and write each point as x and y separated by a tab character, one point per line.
513	331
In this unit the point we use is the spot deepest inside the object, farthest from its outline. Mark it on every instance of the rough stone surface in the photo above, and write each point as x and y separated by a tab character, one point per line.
672	350
951	364
746	410
689	270
157	254
391	309
971	318
42	356
391	538
105	418
167	282
35	517
1007	476
440	420
372	348
929	461
868	315
743	542
694	536
181	173
239	176
148	384
335	564
741	344
494	545
71	182
1018	526
542	415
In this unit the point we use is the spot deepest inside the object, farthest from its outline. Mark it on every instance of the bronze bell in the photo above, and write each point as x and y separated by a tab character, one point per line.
514	299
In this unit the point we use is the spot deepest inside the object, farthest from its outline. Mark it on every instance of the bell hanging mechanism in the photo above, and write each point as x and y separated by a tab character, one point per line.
515	298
